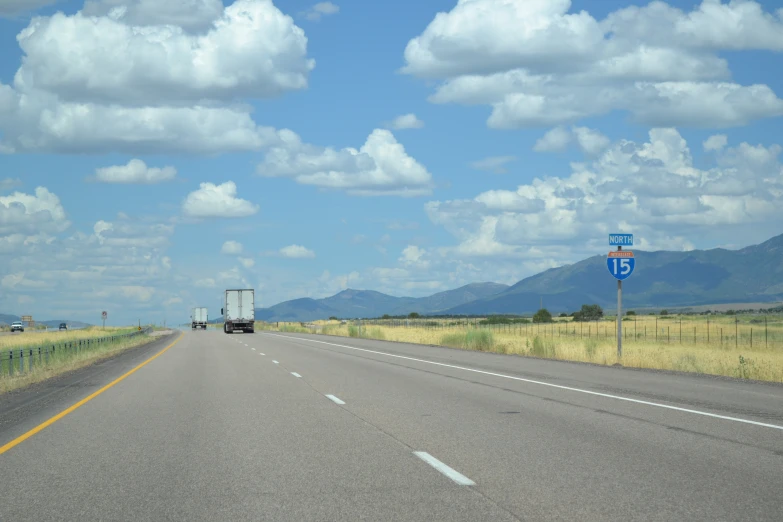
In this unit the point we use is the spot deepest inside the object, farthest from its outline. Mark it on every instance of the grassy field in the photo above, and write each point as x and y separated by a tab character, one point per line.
746	346
62	360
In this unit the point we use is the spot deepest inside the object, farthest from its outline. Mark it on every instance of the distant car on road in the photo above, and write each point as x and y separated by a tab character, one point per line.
17	326
63	326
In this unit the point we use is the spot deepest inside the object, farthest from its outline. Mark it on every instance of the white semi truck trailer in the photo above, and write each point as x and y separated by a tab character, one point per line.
199	318
239	311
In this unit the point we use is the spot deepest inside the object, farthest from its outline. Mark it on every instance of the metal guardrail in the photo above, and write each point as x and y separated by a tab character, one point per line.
13	362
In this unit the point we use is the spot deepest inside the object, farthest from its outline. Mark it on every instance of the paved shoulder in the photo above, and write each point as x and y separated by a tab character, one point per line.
22	410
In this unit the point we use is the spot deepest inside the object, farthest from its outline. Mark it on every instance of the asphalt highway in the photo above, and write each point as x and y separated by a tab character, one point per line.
300	427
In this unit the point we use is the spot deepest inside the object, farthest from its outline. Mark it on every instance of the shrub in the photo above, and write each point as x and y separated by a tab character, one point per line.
542	316
630	312
589	313
664	312
482	340
413	315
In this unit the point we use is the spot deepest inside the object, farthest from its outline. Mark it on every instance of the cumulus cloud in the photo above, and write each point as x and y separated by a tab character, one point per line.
321	9
119	266
32	214
247	262
716	142
380	167
232	248
413	256
296	251
136	171
496	164
205	283
538	64
652	189
555	140
162	88
407	121
558	139
217	201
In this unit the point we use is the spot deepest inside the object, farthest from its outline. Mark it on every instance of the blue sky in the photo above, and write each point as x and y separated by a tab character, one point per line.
539	126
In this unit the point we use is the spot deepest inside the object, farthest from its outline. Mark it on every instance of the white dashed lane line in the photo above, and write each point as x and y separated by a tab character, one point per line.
451	473
295	374
275	362
259	353
334	399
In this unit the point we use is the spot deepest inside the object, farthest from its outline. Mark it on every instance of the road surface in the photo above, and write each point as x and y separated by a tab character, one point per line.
300	427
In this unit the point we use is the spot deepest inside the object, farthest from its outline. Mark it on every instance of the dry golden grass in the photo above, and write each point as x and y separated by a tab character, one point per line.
722	355
28	338
65	362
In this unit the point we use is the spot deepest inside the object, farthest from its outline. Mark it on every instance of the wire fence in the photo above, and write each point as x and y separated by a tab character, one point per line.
760	332
18	361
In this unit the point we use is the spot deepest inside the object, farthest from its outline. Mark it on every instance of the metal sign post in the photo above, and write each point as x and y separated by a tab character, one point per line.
621	264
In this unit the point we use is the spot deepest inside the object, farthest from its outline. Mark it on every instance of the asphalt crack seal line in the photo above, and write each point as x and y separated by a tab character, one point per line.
542	383
82	402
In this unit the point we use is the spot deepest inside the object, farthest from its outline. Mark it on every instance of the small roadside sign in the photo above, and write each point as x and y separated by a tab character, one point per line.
621	264
620	239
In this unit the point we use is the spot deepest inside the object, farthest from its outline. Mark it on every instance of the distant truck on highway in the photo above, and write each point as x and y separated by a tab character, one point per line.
199	318
239	311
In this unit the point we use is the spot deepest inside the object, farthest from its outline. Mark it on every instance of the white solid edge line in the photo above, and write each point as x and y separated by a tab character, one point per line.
334	399
541	383
453	474
295	374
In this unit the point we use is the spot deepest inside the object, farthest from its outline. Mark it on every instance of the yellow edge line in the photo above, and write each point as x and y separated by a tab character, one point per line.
82	402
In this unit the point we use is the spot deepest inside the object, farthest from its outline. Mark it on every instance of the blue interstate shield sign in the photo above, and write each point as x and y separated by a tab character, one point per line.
621	264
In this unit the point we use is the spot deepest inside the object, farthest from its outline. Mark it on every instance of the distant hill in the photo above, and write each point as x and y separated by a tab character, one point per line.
751	275
369	303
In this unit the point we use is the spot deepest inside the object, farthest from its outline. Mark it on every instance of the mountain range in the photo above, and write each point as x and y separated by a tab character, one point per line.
369	303
661	279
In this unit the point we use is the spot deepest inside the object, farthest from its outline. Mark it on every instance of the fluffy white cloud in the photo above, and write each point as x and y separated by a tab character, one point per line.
217	201
496	164
253	50
407	121
590	141
555	140
296	251
205	283
232	248
413	256
136	171
247	262
14	7
652	189
161	89
32	214
188	14
321	9
380	167
120	266
716	142
537	64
